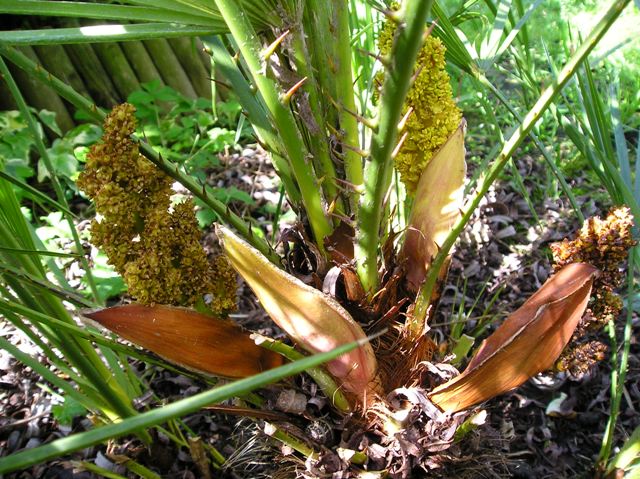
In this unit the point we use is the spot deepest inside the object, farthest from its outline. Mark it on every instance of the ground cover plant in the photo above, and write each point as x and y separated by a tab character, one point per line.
368	143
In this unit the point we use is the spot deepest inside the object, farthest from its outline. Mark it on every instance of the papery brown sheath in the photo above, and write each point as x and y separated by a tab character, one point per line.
527	343
188	338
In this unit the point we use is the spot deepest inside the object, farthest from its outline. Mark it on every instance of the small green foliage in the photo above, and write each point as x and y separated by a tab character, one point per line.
15	145
66	412
65	153
187	132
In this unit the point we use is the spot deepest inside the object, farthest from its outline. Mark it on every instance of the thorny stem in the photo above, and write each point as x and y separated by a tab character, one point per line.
509	148
408	40
250	48
217	206
256	114
314	126
345	96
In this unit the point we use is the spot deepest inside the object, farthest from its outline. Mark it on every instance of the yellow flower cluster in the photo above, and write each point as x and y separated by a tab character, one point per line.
605	244
154	247
435	115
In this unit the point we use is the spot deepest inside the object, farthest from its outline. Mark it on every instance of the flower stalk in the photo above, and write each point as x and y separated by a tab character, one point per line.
378	171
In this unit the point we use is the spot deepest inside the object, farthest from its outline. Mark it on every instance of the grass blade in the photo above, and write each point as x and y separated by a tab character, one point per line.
23	459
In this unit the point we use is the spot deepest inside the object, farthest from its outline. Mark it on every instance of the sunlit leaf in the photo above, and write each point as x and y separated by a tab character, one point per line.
528	342
438	200
188	338
312	319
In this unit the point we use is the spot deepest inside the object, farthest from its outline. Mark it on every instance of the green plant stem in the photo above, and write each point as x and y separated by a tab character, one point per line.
627	455
619	371
103	33
319	147
319	375
60	447
108	12
35	194
45	286
44	155
256	114
345	97
250	48
86	466
294	443
318	16
378	172
509	148
170	169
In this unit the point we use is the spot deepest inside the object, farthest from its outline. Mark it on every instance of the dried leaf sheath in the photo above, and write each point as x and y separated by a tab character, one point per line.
438	199
528	342
188	338
312	319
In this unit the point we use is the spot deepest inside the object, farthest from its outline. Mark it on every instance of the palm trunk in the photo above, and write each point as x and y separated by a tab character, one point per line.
169	67
41	96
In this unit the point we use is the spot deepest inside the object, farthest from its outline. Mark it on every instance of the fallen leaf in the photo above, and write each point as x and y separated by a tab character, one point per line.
312	319
528	342
188	338
438	200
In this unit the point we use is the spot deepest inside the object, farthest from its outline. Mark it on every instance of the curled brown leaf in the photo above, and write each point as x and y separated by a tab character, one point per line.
528	342
312	319
188	338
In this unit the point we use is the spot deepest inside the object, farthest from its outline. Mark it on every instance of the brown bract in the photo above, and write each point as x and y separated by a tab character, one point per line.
312	319
188	338
528	342
438	199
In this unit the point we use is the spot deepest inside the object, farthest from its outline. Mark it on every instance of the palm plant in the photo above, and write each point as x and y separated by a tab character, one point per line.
374	167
